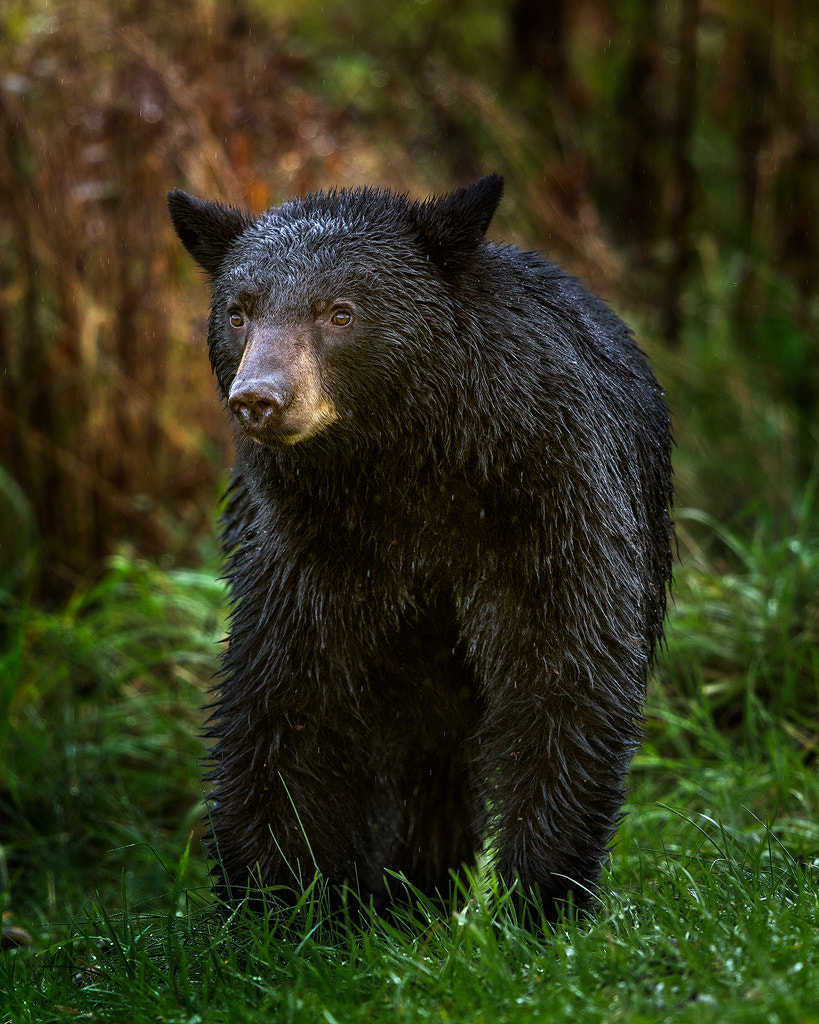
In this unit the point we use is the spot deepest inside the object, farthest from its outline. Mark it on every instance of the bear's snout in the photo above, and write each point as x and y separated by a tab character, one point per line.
280	404
258	404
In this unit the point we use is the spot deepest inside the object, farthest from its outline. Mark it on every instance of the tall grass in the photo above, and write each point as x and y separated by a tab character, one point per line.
99	720
743	635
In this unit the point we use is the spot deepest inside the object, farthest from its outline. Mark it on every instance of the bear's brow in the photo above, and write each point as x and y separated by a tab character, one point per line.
243	283
298	230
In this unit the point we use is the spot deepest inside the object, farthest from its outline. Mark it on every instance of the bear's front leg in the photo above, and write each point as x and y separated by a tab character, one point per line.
286	805
560	725
345	747
561	763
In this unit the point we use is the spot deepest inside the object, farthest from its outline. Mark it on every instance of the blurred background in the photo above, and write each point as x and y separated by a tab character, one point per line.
665	152
668	153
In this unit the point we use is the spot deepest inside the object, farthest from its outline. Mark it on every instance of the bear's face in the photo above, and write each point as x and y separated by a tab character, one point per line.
328	313
308	333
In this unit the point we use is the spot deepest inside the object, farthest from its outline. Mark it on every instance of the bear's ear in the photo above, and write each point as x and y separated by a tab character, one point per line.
453	225
206	229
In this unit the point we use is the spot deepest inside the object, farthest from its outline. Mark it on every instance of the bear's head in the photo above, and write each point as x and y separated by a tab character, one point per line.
339	308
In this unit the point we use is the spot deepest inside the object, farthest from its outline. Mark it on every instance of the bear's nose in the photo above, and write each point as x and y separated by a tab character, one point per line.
257	403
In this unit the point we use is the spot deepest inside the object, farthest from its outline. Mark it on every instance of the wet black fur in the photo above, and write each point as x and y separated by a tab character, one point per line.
447	600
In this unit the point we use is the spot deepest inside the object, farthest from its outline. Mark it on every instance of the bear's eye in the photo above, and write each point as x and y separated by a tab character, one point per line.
236	319
341	318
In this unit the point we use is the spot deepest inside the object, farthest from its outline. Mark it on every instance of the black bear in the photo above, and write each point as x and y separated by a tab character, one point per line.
449	542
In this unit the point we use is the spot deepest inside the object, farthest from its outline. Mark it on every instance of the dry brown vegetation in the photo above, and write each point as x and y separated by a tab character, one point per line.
626	154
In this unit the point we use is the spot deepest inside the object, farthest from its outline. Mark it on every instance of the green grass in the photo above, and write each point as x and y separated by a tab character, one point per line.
708	910
707	924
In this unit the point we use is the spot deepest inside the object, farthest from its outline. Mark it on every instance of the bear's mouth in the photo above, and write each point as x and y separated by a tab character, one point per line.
288	427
